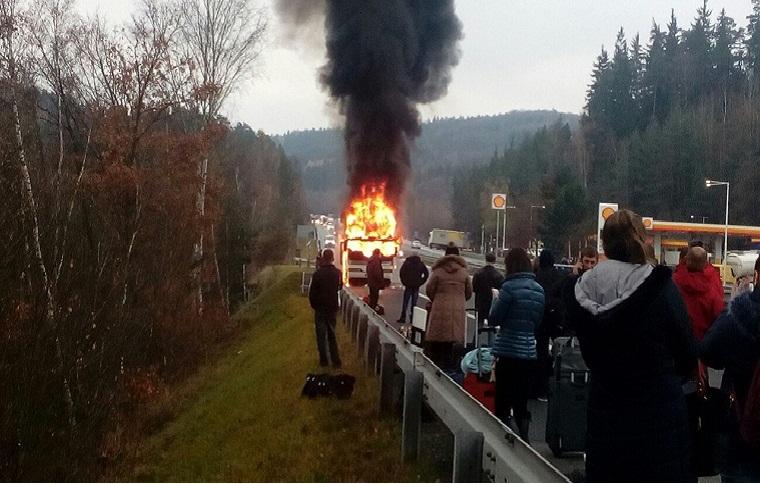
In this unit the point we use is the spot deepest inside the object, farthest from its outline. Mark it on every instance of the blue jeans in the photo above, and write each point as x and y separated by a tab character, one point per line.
411	294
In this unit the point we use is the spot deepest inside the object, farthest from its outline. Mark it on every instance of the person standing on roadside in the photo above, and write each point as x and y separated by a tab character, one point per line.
414	273
485	280
589	259
636	338
448	289
518	311
375	278
323	298
733	343
703	301
550	279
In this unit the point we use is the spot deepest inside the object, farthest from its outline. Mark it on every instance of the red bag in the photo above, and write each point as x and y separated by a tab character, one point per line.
749	412
482	389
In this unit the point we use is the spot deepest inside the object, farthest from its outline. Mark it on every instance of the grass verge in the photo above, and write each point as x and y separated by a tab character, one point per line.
242	418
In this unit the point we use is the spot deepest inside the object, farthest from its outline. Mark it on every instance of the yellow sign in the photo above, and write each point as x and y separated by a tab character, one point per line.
648	222
499	201
605	211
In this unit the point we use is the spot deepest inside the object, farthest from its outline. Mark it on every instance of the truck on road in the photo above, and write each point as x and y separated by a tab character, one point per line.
441	238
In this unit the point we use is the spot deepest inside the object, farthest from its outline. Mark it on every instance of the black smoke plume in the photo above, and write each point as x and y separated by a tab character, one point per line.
385	57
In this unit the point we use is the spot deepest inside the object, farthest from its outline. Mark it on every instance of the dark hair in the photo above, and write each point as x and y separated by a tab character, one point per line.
682	253
327	255
589	252
517	260
452	249
624	238
377	252
491	257
757	264
546	259
697	243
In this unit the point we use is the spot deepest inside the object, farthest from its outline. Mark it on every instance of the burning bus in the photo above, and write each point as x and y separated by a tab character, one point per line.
369	223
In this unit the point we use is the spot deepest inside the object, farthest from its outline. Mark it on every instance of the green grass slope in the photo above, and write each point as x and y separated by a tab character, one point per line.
243	419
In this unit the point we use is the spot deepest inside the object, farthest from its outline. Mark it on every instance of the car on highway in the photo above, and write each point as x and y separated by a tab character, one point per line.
416	244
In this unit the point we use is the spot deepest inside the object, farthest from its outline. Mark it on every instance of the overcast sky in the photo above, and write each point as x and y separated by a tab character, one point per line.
516	54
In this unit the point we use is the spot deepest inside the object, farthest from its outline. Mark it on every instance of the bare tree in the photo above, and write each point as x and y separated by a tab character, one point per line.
223	39
10	21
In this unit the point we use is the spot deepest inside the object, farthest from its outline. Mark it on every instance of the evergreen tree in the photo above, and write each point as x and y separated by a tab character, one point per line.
752	45
655	103
624	115
698	65
673	57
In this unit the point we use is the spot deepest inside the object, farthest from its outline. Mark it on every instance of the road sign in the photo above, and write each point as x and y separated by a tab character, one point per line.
648	222
499	201
605	211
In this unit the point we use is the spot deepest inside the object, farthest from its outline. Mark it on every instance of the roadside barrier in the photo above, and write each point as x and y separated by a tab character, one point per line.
485	450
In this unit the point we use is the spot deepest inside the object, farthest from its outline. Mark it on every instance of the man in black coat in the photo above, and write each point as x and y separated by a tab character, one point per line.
550	280
483	282
414	273
375	277
733	343
323	297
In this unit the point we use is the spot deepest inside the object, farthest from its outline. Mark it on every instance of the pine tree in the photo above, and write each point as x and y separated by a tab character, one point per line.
656	102
752	45
698	65
624	115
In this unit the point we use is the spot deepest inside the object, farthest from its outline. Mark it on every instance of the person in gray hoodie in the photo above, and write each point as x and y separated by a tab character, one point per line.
636	338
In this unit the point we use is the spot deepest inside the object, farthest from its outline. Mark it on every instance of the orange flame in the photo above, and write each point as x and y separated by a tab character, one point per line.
370	222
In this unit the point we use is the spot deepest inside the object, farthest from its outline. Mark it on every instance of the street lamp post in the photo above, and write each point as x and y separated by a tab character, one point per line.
713	183
532	230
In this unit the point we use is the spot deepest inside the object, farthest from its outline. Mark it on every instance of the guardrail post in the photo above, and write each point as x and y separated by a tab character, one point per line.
412	417
354	319
468	457
361	334
347	306
387	370
372	346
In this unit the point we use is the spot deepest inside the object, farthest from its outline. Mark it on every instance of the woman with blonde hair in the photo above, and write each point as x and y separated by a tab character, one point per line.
637	341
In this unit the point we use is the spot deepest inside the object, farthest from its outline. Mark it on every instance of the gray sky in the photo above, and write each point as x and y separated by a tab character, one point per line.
516	54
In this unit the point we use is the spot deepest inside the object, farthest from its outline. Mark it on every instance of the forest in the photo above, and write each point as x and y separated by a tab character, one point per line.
132	216
445	145
663	113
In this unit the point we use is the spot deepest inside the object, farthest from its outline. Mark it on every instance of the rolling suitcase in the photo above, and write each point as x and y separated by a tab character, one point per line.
568	398
478	382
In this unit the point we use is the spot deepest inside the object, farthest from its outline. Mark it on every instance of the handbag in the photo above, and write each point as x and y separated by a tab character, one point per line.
711	409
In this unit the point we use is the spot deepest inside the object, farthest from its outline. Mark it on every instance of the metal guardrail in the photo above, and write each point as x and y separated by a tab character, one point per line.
485	450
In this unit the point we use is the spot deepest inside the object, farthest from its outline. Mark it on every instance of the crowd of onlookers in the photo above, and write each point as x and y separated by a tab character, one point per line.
647	333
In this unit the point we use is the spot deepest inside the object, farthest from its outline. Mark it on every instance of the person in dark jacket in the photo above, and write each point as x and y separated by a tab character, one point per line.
636	339
518	310
413	274
733	343
485	280
550	279
375	277
323	297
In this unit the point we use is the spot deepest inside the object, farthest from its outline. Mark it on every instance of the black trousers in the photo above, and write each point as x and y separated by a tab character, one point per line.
374	295
325	328
513	381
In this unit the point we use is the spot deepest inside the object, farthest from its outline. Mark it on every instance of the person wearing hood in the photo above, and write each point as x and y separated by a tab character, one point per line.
703	302
518	311
550	279
636	339
485	280
413	275
733	343
448	288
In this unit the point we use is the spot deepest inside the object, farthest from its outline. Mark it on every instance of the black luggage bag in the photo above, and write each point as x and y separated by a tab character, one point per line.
568	398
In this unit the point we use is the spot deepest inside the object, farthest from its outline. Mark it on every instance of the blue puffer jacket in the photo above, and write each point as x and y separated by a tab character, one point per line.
518	310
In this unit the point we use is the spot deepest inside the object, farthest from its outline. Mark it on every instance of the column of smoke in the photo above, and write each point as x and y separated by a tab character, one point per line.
383	58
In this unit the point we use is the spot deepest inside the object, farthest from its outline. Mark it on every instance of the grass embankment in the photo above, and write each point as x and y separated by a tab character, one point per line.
242	418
